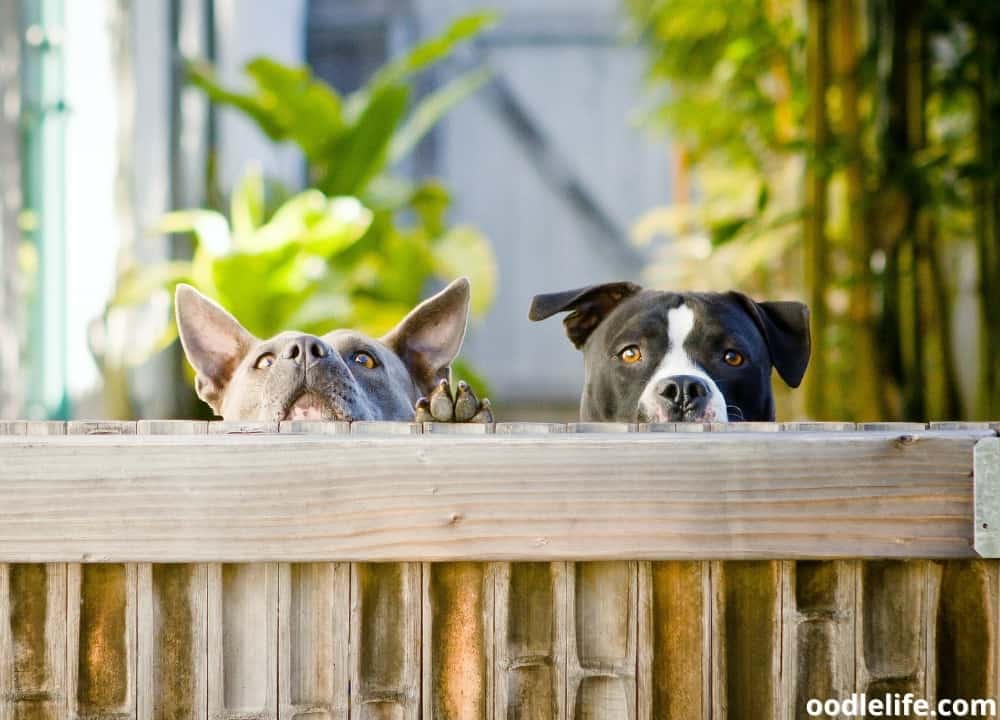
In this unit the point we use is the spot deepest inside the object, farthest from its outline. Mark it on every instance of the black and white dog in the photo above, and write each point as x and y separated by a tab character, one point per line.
653	356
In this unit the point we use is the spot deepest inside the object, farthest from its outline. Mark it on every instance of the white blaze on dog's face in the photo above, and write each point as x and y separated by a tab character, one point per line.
342	375
653	356
678	381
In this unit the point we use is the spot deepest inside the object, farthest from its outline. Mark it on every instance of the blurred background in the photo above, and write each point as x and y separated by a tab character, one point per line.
327	163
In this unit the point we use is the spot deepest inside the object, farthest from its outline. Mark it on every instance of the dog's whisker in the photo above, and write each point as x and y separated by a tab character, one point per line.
733	409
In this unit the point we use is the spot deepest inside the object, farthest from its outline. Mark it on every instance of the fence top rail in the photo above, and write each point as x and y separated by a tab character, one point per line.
184	491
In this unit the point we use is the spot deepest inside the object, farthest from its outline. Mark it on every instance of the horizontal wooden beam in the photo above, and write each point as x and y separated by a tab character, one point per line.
431	497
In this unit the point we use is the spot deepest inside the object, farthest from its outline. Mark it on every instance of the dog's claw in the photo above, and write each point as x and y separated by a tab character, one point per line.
442	405
464	407
422	412
466	403
485	414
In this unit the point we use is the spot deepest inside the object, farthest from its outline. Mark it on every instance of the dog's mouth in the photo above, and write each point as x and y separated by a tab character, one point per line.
309	406
661	415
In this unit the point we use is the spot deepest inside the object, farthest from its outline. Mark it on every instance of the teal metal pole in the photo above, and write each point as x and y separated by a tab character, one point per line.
43	128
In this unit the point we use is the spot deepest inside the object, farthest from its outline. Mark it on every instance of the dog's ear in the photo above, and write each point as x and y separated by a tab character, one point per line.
214	343
589	306
429	338
785	327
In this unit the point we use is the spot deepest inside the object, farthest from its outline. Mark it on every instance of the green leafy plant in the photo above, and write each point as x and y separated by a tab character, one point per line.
357	249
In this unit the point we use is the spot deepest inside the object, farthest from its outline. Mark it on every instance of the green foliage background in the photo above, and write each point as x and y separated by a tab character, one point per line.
847	152
359	247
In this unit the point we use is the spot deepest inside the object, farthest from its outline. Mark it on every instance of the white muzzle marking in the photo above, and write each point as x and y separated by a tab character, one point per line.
677	362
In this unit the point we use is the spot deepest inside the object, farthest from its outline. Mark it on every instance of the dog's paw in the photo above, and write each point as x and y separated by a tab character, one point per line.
463	407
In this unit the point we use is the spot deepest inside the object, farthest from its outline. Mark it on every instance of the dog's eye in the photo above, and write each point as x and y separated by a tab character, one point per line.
264	361
733	358
365	360
631	354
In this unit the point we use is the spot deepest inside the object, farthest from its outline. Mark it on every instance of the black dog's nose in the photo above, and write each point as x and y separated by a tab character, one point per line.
683	390
305	346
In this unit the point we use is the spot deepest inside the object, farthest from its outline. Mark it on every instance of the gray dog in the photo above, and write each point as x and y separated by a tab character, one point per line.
343	375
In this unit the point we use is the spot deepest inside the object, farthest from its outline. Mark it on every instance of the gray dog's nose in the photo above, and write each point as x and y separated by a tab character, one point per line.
308	347
683	390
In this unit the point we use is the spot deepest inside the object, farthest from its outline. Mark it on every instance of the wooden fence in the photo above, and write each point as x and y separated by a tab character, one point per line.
173	570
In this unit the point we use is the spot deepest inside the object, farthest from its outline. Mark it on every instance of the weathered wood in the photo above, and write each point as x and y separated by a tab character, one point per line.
385	641
891	627
365	427
458	641
242	641
172	641
818	653
529	428
601	629
600	427
313	637
242	427
530	643
101	641
674	640
965	630
312	427
172	628
746	637
33	642
100	427
578	496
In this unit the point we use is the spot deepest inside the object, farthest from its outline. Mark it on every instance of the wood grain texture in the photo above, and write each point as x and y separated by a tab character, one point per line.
172	641
530	641
746	635
601	628
573	496
243	641
172	673
818	653
674	640
458	641
385	641
965	630
892	627
313	637
101	641
33	642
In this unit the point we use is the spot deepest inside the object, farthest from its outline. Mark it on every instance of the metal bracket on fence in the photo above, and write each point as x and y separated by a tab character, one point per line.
986	476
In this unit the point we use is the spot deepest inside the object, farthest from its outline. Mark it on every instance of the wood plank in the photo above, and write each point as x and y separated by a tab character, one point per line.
746	635
101	646
579	496
818	633
242	641
385	641
173	641
313	632
172	627
891	627
675	636
32	630
458	640
965	630
33	641
314	427
101	427
601	630
242	427
530	642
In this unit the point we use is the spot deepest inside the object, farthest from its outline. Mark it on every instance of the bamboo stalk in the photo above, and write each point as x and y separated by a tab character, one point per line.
816	252
867	399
